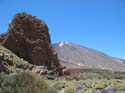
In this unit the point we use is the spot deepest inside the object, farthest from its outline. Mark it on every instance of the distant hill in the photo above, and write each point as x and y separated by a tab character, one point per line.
77	56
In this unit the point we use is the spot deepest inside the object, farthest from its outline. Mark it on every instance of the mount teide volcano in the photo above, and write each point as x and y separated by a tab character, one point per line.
77	56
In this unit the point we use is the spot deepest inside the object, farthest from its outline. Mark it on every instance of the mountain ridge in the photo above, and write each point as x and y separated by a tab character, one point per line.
75	55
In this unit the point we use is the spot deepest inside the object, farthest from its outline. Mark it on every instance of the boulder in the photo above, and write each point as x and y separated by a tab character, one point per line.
29	39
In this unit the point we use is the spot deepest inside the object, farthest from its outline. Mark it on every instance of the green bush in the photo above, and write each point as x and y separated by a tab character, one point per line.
87	90
69	78
70	89
101	84
23	82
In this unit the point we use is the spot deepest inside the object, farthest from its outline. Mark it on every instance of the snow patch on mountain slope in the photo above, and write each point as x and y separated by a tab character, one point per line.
62	43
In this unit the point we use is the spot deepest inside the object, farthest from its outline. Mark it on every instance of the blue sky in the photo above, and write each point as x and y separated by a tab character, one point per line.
98	24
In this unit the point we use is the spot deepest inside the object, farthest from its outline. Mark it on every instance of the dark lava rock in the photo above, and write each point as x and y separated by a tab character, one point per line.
9	61
28	38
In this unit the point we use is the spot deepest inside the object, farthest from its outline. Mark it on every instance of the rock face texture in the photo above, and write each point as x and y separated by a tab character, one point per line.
28	38
8	59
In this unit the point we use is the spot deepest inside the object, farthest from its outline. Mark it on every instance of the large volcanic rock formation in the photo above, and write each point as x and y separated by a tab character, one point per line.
29	39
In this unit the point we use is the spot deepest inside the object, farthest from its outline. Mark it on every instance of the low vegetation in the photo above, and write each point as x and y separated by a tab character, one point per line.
90	82
23	82
20	81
